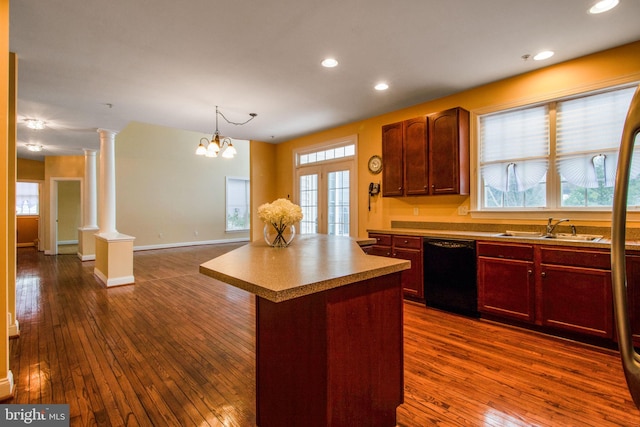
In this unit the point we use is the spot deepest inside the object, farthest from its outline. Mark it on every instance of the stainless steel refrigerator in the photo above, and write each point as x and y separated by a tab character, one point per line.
630	357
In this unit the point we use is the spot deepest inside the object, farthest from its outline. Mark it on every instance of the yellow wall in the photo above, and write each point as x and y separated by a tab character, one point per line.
264	188
30	170
5	217
69	211
602	69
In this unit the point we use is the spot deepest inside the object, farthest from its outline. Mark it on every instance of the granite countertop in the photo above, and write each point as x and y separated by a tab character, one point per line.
312	263
604	243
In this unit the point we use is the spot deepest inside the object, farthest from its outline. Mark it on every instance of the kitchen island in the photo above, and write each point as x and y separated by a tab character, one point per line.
329	342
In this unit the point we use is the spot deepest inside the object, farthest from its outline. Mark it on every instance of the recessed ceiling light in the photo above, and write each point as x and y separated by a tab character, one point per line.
545	54
34	147
603	6
34	124
381	86
329	62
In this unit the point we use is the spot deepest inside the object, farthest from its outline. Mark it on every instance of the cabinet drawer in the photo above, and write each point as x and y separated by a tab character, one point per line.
409	242
575	258
507	251
381	239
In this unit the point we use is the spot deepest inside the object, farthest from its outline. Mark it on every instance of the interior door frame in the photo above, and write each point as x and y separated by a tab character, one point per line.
53	210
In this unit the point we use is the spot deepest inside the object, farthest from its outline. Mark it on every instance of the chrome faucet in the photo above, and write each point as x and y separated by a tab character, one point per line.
551	226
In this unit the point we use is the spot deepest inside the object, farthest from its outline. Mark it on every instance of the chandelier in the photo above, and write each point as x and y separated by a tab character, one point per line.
220	145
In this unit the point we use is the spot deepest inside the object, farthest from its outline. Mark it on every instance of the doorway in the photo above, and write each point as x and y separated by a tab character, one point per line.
65	215
325	188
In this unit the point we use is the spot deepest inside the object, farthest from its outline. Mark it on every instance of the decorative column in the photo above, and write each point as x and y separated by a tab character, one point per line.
86	233
114	251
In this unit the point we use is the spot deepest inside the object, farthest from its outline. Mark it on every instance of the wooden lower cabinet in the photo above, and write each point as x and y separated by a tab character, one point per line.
403	247
575	290
559	288
506	285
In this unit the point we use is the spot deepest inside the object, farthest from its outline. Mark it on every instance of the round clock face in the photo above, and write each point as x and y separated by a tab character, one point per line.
375	164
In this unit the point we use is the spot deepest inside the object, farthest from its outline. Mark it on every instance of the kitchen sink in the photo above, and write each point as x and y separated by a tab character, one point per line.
556	236
575	237
531	234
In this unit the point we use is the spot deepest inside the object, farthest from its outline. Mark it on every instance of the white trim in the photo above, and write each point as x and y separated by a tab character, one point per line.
6	386
183	244
68	242
14	329
119	281
91	257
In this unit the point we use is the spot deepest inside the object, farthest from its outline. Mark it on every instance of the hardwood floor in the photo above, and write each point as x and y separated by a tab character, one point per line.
177	349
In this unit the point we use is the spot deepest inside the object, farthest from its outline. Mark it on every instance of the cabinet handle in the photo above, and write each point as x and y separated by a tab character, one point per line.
406	241
543	274
395	255
531	272
399	188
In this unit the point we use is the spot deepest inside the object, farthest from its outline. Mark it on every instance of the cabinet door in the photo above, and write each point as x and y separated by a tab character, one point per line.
506	287
412	279
449	152
392	158
577	299
416	177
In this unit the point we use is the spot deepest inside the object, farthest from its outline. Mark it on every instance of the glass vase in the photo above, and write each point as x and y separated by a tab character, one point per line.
279	236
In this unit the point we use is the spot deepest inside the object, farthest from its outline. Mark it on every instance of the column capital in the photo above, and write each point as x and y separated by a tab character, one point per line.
105	132
89	151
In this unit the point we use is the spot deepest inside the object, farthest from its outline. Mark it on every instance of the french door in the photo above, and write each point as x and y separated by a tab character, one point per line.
327	198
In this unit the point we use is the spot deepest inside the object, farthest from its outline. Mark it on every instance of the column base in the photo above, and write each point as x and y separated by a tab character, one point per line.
6	387
114	259
87	243
14	329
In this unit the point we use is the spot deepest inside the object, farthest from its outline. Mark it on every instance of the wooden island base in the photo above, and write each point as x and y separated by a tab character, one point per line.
332	358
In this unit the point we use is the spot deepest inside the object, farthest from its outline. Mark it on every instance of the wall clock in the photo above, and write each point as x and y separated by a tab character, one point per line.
375	164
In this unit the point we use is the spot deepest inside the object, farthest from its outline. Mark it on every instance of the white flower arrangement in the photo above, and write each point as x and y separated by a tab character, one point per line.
280	213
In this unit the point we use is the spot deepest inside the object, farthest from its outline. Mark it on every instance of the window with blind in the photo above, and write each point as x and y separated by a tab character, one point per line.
562	154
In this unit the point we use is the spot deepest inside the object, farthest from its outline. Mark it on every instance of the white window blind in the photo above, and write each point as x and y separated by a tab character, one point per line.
588	137
237	204
514	148
27	198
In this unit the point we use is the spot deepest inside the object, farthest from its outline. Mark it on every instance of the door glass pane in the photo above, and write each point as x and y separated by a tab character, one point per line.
338	206
309	204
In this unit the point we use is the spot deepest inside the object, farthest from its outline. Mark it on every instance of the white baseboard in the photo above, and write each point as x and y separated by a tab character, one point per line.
6	386
90	257
118	281
197	243
67	242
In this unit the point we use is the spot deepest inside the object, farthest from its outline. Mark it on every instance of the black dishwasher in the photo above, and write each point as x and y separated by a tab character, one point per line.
450	275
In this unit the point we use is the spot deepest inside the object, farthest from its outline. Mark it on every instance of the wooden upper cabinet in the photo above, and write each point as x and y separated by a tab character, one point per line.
416	174
427	155
449	152
393	160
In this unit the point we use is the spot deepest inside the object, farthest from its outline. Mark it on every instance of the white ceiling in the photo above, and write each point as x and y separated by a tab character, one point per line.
169	62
